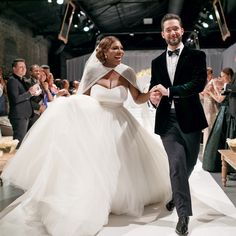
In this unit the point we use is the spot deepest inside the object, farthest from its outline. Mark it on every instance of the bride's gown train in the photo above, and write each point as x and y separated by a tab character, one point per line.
84	158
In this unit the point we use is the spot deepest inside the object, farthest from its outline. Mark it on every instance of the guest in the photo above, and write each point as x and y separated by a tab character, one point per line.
46	69
66	84
209	105
52	86
180	75
221	129
36	101
47	95
3	95
230	89
58	83
5	126
93	157
19	100
55	91
1	90
74	88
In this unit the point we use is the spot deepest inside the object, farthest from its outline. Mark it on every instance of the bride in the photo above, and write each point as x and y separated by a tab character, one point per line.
86	157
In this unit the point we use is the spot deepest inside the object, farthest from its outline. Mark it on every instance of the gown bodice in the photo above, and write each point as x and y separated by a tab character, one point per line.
114	95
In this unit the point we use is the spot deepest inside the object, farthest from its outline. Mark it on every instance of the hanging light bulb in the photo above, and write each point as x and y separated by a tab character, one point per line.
86	28
60	2
205	25
211	17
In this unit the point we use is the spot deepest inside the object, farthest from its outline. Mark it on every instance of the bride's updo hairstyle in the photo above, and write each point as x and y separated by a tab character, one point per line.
103	47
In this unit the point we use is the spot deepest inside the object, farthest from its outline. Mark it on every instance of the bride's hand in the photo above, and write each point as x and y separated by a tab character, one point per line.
161	89
155	97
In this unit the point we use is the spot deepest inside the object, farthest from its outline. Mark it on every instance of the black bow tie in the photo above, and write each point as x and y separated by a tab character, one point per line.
176	52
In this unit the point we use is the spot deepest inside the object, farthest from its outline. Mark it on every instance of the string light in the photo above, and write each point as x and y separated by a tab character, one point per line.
81	21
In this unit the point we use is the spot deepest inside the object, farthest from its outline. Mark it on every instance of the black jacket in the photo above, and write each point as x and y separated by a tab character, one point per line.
231	89
19	98
189	81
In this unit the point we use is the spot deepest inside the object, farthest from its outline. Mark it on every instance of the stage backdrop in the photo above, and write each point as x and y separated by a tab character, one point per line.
229	57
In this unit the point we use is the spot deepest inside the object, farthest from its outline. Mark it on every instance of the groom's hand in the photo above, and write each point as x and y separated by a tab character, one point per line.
162	89
155	96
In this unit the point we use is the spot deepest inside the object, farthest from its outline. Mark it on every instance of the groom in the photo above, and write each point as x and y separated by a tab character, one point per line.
179	75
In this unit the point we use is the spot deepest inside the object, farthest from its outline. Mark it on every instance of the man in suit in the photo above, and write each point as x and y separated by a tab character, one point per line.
37	102
179	75
20	109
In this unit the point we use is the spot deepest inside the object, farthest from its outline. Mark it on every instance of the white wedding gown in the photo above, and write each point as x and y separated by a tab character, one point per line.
84	158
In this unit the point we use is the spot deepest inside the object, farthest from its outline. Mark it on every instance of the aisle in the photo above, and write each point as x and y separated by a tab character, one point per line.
214	214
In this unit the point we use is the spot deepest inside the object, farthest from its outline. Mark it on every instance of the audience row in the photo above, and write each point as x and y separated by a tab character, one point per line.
23	99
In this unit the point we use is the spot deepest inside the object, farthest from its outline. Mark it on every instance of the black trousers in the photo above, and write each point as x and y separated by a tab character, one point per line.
182	150
20	127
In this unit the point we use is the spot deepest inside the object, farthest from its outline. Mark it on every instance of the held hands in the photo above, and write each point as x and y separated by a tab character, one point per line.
155	97
156	94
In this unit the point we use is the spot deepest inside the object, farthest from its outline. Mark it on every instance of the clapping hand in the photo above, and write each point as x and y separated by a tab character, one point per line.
63	92
45	86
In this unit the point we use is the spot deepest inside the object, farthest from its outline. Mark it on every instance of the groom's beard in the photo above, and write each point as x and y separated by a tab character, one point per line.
174	42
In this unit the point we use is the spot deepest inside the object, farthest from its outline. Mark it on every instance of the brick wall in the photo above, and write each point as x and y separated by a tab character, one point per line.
18	41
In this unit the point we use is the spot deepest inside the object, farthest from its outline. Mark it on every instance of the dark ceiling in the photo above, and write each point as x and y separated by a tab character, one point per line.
123	18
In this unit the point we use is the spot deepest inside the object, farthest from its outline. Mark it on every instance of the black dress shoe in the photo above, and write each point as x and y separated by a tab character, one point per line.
182	225
170	205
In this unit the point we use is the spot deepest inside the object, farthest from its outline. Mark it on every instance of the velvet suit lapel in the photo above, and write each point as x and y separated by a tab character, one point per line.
163	63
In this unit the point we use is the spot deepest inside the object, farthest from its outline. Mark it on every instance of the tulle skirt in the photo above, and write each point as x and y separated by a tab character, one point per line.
79	162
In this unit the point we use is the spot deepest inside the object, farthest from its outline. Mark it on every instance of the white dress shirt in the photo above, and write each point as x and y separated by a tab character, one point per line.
172	64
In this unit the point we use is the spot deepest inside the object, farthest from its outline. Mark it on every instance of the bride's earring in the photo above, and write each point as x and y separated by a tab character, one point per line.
105	56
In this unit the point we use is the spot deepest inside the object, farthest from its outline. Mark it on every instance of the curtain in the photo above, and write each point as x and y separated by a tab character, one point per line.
141	60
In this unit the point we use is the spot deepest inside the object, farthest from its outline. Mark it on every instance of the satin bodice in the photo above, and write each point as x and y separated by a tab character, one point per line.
105	95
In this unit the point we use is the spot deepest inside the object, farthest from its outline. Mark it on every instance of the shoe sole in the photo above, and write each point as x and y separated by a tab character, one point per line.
179	233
